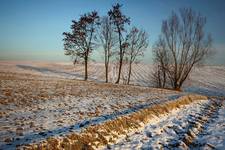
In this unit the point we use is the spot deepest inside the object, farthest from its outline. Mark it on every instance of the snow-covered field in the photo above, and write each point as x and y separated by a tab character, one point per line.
39	100
176	128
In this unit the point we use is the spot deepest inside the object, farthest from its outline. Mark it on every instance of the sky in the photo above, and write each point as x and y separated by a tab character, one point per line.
32	29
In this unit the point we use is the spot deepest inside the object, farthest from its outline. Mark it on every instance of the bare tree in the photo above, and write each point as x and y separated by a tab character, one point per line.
161	60
80	41
119	20
108	41
182	45
157	77
138	42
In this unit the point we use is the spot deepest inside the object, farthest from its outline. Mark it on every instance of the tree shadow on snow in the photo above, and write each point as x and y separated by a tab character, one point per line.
63	74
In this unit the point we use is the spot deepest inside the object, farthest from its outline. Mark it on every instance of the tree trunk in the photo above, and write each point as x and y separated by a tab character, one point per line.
86	64
106	72
164	78
121	57
129	74
120	67
176	86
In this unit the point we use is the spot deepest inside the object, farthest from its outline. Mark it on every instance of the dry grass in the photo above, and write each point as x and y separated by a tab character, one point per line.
99	135
24	88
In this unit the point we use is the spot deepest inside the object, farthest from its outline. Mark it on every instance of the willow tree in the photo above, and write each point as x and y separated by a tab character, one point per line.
119	20
80	42
182	45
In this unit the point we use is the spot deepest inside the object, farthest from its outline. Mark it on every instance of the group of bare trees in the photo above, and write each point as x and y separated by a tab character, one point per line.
182	44
111	33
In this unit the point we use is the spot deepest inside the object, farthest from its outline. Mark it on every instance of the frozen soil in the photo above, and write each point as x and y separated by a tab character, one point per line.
212	136
179	128
35	107
41	100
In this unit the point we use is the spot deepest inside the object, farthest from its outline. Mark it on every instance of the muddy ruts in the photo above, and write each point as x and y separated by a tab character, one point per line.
196	125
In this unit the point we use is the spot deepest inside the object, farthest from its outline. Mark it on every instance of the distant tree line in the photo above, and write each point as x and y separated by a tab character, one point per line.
182	44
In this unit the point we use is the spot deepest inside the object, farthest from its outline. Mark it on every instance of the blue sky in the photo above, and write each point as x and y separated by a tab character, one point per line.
32	29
